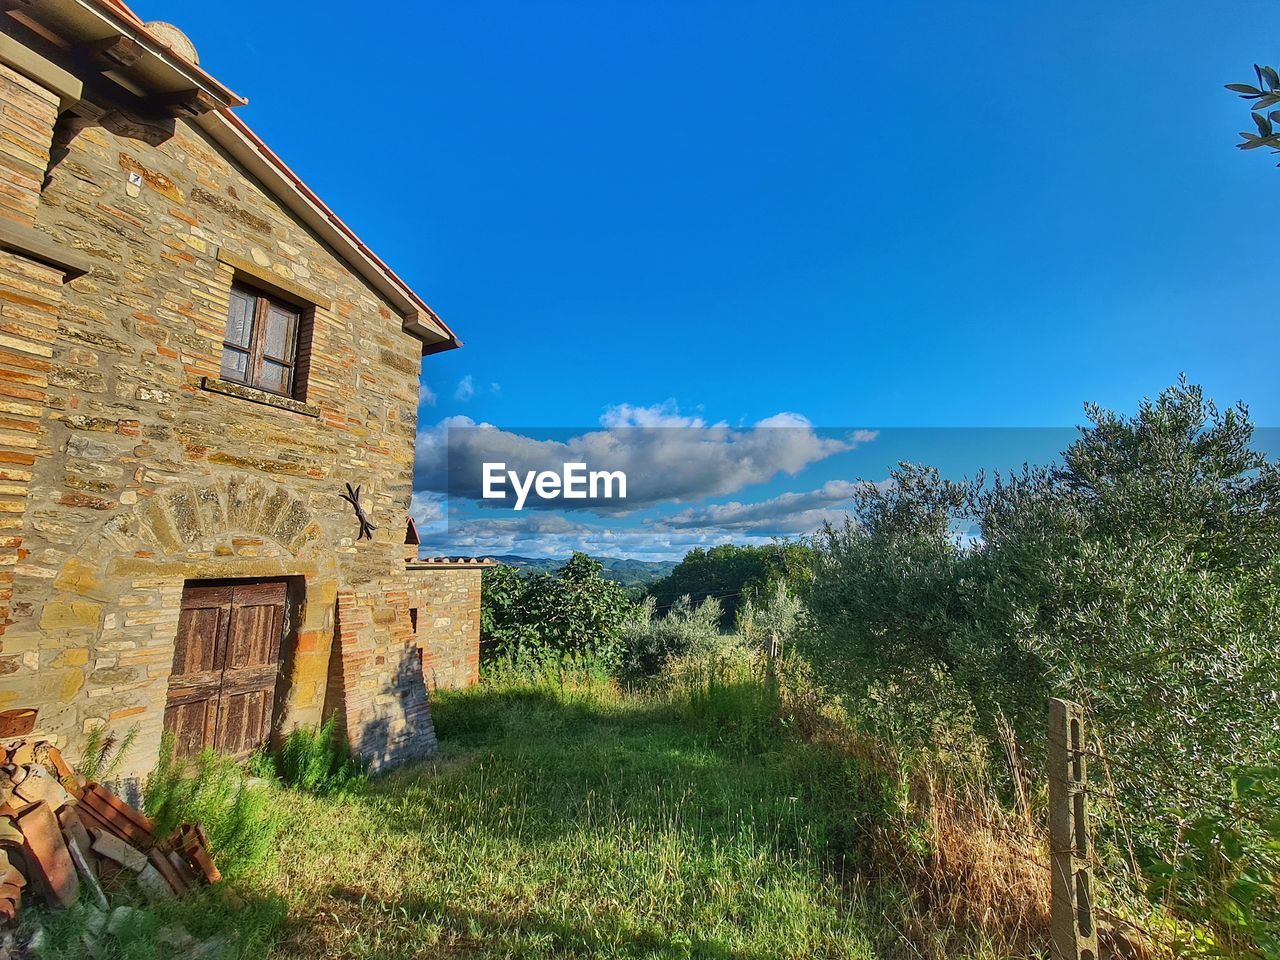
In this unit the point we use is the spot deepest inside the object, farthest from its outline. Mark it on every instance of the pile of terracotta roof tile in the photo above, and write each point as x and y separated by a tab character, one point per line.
59	831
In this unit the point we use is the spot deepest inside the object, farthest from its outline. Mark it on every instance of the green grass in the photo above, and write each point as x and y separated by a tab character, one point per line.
565	818
568	820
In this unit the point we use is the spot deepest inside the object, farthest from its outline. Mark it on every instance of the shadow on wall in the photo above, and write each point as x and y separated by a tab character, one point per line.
295	600
386	722
407	733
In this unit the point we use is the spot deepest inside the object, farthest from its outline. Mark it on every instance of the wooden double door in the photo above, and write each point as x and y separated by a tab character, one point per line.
226	660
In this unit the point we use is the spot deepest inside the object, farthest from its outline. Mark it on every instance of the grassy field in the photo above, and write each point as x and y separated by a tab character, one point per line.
717	815
578	822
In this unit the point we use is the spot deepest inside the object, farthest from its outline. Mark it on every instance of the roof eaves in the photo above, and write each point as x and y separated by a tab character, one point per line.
234	135
119	18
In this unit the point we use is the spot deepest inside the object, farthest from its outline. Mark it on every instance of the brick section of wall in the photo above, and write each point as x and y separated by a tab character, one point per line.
376	684
30	296
26	131
448	604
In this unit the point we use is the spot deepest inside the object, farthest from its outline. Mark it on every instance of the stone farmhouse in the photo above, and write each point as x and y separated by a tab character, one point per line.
197	357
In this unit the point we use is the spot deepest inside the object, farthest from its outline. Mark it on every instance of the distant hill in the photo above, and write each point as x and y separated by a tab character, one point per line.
623	570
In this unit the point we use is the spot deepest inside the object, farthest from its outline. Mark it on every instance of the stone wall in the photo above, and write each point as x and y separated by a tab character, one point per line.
30	297
376	685
447	600
136	476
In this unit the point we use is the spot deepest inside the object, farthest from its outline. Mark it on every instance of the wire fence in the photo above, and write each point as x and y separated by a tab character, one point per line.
1184	898
1151	906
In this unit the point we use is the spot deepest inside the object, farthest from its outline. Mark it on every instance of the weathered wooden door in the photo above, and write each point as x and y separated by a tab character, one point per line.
225	661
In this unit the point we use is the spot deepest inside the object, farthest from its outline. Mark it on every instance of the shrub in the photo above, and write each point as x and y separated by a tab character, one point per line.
648	641
319	761
213	791
575	610
1225	870
768	623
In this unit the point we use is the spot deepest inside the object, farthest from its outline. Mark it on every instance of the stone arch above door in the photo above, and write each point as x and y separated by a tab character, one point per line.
107	627
205	516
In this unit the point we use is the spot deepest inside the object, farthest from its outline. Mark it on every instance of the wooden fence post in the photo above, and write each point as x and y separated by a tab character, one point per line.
1074	934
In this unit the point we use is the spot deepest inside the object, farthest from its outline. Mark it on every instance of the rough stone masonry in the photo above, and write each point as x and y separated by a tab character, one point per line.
137	476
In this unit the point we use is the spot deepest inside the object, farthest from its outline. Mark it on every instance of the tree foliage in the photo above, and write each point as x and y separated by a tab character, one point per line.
1262	97
732	574
885	606
574	610
1139	575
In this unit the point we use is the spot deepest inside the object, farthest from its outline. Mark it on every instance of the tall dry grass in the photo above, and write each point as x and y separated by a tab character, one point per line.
967	862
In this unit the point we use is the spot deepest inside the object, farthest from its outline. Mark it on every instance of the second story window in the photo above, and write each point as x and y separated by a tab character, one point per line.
261	345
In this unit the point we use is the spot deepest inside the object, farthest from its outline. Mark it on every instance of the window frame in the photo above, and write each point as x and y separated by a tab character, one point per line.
256	353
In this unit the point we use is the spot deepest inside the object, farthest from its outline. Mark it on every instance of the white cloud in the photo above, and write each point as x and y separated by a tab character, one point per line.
426	394
667	457
466	389
663	414
428	510
787	513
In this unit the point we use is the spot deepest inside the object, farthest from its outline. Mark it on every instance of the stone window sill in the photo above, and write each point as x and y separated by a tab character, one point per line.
255	395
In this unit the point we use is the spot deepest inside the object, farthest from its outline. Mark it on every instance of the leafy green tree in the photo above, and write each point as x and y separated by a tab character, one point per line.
573	610
1142	576
1143	579
886	591
505	619
885	604
731	574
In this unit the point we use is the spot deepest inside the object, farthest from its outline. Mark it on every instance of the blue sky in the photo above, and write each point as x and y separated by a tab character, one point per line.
907	214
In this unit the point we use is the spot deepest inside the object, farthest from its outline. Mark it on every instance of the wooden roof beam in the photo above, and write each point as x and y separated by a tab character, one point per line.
112	53
184	103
